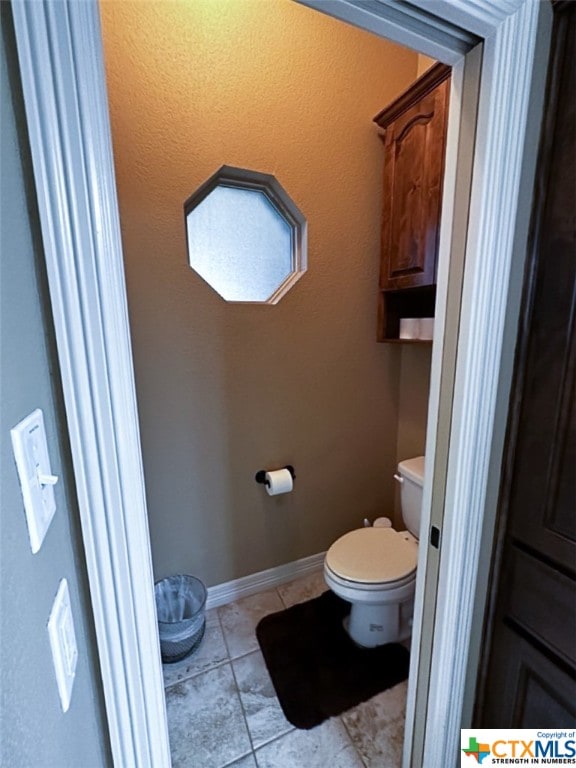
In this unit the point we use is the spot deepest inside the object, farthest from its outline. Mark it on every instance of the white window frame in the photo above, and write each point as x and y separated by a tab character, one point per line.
285	207
61	63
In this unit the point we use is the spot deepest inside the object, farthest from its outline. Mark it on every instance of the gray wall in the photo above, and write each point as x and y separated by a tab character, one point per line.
34	731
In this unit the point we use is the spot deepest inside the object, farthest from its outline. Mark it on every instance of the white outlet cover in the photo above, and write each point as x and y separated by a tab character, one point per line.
63	644
36	479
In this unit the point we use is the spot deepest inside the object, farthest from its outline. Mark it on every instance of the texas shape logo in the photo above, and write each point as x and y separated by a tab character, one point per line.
479	751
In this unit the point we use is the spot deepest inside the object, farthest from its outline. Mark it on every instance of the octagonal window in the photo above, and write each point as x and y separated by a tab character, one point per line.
246	238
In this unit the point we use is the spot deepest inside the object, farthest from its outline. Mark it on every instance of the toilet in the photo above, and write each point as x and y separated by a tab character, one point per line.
374	568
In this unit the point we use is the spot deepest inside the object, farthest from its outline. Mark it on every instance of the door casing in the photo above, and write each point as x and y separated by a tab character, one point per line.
485	207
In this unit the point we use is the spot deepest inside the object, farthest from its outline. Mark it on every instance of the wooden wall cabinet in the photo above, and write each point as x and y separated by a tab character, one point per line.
414	136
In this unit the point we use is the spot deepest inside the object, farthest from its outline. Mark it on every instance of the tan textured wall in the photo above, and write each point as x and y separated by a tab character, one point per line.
424	63
414	389
413	400
225	390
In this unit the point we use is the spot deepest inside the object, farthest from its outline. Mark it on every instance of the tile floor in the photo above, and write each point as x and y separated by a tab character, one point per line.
223	711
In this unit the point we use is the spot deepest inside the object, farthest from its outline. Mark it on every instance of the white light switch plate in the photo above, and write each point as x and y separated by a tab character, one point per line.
63	644
36	479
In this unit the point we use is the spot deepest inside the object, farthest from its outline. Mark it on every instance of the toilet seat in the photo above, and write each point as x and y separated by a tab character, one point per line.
373	556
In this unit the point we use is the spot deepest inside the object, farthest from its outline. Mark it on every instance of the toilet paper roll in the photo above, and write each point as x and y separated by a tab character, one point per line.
409	327
278	481
427	328
382	522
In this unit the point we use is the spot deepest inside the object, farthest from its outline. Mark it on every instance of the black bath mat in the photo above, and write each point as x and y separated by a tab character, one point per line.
317	670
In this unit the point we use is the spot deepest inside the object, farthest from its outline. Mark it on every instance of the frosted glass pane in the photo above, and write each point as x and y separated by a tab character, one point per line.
240	243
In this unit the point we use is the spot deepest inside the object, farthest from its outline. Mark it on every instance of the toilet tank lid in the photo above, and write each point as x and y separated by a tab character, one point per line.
413	469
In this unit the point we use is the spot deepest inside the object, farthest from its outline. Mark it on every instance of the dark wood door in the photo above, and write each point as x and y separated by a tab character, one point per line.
414	144
529	669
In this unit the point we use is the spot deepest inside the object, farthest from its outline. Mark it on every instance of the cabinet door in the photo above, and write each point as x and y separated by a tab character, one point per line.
530	691
413	173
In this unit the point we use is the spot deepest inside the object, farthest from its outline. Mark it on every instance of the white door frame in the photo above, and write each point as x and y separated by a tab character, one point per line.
61	63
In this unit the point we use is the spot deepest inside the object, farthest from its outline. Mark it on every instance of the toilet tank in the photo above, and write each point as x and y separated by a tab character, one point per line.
411	478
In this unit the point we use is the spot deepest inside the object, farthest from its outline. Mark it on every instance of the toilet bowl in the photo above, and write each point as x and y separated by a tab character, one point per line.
374	569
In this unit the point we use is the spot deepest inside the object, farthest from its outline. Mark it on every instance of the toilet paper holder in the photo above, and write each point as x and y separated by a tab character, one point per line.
260	476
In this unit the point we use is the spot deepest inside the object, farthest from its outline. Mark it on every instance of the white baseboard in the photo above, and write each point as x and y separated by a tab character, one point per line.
258	582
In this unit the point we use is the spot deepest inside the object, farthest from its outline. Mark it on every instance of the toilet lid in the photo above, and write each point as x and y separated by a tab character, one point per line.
372	555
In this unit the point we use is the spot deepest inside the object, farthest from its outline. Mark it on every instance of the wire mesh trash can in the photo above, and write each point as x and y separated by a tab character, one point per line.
180	605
